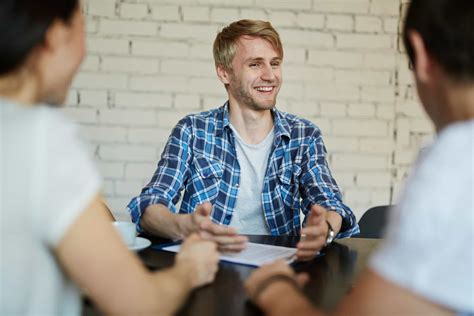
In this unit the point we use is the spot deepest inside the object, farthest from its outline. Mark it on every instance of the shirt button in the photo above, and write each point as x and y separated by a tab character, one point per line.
236	185
228	217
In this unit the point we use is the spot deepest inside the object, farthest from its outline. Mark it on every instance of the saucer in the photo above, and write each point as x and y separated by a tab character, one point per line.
140	243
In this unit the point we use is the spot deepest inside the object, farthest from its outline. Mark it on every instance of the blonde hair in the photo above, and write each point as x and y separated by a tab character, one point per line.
225	44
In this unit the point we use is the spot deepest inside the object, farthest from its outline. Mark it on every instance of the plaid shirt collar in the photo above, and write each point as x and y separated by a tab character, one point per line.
282	127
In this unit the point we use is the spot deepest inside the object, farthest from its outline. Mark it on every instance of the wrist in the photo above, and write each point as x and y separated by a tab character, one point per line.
268	288
330	236
275	298
335	220
182	272
185	225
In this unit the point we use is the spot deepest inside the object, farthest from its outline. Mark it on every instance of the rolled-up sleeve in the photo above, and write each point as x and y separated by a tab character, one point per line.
167	181
319	187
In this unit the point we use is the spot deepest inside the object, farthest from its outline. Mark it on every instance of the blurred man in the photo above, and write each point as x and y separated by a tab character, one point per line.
425	265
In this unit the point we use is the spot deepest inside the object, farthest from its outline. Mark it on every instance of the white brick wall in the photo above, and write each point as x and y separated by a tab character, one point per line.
150	63
133	10
340	22
101	8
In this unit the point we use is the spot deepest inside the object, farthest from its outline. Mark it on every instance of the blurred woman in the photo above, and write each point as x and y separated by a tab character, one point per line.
56	235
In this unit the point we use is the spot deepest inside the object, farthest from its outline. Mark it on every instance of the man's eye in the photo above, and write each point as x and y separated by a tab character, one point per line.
275	65
253	65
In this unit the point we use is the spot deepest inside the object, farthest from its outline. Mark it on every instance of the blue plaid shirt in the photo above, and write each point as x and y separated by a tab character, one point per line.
200	157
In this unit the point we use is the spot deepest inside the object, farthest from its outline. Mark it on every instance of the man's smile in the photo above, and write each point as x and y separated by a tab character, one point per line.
265	89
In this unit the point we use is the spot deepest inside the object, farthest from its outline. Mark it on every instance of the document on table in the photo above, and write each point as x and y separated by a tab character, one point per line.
254	254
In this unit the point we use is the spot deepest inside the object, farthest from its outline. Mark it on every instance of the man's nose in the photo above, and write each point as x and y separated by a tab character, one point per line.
267	73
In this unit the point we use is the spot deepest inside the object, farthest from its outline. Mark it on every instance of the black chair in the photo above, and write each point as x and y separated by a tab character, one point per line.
372	223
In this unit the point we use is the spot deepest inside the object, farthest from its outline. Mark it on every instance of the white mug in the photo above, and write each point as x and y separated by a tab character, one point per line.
126	231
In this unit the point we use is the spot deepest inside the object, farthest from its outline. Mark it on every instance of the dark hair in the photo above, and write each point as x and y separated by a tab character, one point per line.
23	24
447	29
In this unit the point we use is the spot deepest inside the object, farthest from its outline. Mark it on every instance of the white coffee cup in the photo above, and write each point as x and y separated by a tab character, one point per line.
126	231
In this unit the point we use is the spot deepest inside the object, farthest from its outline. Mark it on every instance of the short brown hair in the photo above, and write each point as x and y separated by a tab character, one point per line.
225	43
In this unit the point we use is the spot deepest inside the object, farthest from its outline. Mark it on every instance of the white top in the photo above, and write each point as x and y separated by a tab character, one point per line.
47	180
429	244
247	216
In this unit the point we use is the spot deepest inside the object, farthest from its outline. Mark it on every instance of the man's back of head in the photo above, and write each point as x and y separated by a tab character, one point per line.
447	30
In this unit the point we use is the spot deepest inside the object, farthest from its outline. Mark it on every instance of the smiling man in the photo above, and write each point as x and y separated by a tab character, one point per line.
246	168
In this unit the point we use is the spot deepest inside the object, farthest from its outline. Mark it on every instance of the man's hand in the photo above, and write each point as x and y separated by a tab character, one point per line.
313	235
226	237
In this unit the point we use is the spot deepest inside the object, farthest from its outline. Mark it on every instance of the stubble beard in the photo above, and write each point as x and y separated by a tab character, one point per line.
249	101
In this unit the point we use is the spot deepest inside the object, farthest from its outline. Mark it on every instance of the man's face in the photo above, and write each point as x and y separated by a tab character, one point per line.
255	77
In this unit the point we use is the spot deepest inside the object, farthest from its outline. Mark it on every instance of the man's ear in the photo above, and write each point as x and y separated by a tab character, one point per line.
55	36
223	74
425	66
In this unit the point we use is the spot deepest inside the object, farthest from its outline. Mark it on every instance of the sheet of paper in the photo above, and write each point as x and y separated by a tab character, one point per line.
254	254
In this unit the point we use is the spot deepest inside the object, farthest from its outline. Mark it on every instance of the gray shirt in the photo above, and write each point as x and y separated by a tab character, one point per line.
248	217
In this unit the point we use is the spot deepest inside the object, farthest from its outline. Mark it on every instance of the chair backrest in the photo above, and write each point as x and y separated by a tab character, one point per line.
372	223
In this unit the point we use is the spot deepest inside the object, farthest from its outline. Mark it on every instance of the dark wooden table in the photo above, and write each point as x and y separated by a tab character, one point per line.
331	277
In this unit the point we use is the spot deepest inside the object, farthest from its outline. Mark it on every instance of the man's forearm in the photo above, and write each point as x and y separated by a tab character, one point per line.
160	221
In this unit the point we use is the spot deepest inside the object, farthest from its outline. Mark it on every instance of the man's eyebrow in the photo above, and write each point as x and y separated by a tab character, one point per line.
250	59
253	59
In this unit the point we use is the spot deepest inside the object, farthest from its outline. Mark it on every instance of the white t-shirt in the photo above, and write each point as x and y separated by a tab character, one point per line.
429	246
247	216
47	180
